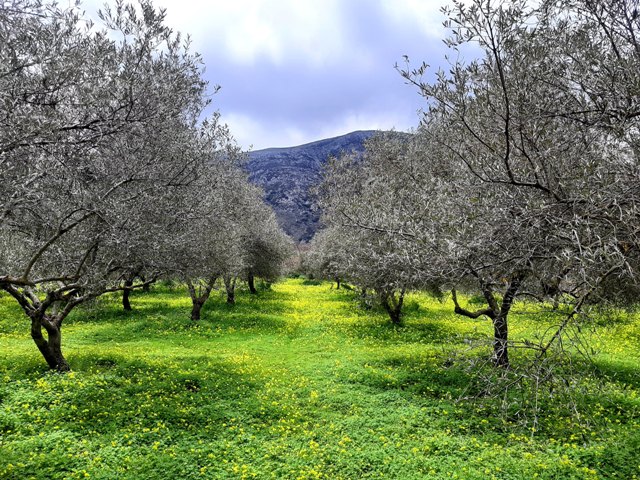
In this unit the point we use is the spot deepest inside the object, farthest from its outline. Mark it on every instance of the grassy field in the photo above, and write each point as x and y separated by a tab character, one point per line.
299	382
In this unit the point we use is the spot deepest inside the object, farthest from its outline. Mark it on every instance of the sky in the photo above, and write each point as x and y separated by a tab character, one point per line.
295	71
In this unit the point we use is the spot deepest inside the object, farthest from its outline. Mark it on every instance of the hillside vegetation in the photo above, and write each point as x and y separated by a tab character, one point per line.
288	175
302	382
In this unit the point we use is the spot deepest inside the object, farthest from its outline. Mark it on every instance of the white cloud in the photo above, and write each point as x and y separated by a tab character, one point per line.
248	30
309	31
330	59
424	13
254	135
249	133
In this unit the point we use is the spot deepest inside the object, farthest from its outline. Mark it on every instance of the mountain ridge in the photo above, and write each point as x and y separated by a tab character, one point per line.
287	175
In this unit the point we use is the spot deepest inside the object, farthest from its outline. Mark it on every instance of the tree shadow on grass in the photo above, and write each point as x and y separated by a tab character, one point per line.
597	387
175	303
624	374
122	406
157	318
423	375
426	331
419	322
112	393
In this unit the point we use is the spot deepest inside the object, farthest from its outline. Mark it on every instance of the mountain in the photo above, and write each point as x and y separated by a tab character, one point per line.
287	174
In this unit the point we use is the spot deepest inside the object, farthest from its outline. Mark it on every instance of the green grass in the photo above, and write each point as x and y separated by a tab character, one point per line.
299	382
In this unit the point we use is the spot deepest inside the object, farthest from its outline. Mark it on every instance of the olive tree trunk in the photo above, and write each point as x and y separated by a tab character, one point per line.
199	295
251	283
393	305
230	287
46	317
126	292
498	313
51	347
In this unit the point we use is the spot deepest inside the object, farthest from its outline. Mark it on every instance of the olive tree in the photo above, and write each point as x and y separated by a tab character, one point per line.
204	244
262	245
543	127
375	233
523	176
324	256
228	231
265	245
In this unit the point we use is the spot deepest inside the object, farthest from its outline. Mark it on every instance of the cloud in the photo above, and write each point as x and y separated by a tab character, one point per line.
294	71
245	31
278	133
423	13
282	30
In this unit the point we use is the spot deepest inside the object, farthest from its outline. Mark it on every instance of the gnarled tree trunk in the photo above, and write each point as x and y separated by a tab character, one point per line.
146	284
199	296
129	287
498	314
500	339
125	294
59	302
393	305
51	347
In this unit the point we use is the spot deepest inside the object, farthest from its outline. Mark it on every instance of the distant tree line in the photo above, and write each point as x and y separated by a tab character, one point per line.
523	179
108	178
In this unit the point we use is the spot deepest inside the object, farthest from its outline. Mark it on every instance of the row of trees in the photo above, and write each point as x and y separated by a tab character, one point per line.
523	178
108	178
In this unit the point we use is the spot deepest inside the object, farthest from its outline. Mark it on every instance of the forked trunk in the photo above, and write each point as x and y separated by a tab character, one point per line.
51	347
199	296
60	303
498	313
394	315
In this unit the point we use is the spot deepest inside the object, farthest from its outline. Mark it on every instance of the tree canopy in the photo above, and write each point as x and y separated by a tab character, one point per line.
522	178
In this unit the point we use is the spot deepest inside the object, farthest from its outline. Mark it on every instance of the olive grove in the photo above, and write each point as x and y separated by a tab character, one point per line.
229	234
522	179
104	161
373	236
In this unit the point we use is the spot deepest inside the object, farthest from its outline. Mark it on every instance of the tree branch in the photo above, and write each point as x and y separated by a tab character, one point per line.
467	313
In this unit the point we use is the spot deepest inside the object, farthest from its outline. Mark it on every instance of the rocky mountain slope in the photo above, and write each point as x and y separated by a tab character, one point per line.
287	174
